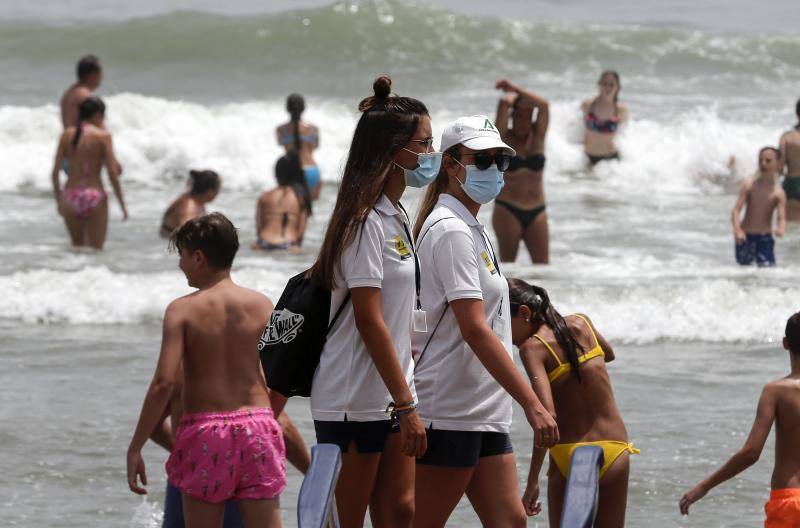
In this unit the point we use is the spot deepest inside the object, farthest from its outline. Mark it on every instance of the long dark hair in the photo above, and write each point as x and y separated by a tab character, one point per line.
289	173
437	187
88	108
295	105
536	298
797	112
615	75
387	124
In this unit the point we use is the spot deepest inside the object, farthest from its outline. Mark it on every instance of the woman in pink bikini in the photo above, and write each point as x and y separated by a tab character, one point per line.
602	117
82	152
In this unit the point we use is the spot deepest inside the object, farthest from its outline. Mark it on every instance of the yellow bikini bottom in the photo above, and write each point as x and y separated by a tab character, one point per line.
612	449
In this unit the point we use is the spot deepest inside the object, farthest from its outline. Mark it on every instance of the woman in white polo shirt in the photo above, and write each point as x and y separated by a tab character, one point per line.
465	374
367	260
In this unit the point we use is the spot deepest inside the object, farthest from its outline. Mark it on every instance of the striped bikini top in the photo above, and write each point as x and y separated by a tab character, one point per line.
564	367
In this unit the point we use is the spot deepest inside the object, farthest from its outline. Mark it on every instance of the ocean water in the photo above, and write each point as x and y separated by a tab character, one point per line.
643	245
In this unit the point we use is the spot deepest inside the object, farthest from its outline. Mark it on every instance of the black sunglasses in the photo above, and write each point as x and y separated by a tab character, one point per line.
483	160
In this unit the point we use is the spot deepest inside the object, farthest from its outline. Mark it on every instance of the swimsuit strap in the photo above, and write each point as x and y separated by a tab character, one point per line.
550	349
591	330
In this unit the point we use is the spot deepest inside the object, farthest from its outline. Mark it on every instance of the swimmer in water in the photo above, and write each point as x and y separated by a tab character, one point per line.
303	138
790	149
762	197
282	213
519	210
602	117
83	201
228	445
204	187
779	404
565	358
90	75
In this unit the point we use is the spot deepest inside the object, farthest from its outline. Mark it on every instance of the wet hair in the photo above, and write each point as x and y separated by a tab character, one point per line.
213	234
88	108
537	300
295	105
615	75
203	180
88	65
777	152
793	333
436	188
797	111
289	173
387	124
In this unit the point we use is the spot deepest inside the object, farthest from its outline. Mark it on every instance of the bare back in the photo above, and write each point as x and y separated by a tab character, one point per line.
309	140
585	410
790	148
786	473
280	217
86	159
222	371
763	197
70	102
184	208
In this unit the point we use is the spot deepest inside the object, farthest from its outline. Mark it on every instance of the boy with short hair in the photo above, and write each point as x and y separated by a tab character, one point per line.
779	402
763	196
229	445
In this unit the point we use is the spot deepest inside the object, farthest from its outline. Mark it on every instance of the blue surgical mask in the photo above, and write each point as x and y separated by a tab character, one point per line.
482	186
428	164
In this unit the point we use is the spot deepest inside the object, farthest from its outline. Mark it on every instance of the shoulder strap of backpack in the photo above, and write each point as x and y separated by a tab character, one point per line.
338	312
428	342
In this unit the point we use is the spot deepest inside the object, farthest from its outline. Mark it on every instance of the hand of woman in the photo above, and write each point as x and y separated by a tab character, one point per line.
690	497
544	426
136	473
505	85
412	435
530	500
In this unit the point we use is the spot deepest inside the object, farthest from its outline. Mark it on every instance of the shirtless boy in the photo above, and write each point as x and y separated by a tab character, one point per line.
228	445
779	402
790	147
763	196
90	74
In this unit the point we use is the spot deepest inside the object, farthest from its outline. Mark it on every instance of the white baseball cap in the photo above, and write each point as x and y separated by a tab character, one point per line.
475	132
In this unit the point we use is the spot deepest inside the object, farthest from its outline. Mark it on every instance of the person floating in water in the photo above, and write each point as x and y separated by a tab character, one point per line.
763	197
203	188
565	358
83	202
303	138
519	210
90	75
602	117
282	213
779	403
228	445
790	149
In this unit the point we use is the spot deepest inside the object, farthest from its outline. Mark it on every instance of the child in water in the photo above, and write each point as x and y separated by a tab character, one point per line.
763	196
779	402
228	445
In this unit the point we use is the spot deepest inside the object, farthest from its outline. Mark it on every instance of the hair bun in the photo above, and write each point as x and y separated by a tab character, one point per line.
382	86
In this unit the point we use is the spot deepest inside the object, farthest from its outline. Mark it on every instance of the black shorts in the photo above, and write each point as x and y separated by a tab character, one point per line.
463	448
369	437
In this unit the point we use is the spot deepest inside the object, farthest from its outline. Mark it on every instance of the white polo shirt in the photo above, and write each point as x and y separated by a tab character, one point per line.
455	390
346	382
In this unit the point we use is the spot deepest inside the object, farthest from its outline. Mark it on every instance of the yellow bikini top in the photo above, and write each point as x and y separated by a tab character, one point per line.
563	367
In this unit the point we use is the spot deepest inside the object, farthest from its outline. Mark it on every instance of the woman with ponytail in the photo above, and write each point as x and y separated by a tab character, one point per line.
282	213
465	373
565	359
301	138
82	152
602	116
204	186
362	396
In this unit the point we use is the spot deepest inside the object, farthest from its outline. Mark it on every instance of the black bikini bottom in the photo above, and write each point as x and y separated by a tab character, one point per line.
594	160
523	216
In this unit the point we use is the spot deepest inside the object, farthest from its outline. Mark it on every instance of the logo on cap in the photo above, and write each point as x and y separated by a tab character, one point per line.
488	124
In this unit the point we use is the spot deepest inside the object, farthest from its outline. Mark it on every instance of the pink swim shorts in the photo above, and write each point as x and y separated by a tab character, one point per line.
236	455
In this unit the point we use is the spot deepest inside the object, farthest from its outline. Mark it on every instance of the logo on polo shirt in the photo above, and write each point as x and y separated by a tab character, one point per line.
401	248
488	261
283	327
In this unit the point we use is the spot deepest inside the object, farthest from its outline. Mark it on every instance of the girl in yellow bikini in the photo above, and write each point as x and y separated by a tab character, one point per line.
565	359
